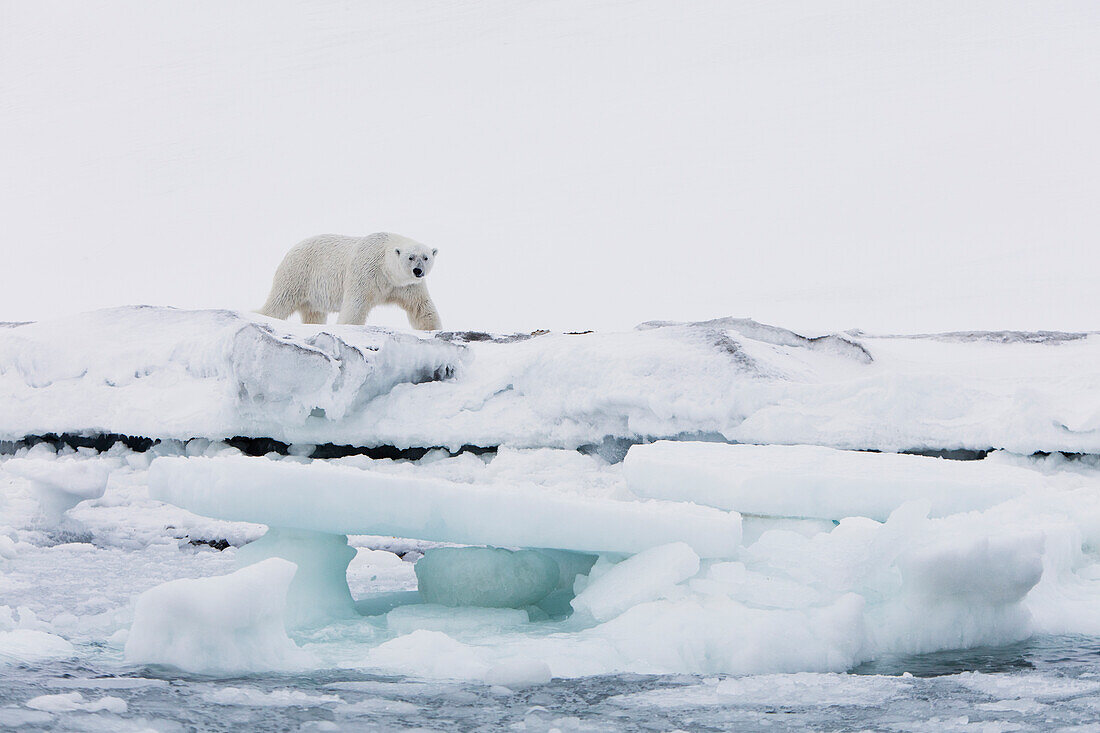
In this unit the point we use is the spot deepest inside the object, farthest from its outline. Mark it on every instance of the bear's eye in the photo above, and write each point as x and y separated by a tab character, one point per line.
411	259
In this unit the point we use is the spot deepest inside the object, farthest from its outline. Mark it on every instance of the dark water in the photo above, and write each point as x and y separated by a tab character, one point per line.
1042	671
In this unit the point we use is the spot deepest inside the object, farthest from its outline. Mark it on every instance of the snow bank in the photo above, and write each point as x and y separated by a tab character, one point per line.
341	500
168	373
818	482
746	382
161	372
232	624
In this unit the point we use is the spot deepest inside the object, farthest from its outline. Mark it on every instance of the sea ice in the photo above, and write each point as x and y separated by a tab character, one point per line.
817	482
231	624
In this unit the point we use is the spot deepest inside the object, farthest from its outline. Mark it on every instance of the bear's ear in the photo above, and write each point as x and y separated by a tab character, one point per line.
397	251
435	251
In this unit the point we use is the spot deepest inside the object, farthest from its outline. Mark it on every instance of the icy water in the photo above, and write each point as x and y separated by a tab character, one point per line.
1048	683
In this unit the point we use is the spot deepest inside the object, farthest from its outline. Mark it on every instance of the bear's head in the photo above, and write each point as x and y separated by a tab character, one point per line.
410	263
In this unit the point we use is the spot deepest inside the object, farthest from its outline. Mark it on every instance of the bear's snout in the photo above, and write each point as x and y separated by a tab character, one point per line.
418	272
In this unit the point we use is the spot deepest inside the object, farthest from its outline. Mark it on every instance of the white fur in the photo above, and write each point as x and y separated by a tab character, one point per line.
352	275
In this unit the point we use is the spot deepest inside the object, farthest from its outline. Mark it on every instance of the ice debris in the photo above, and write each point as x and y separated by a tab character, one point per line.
227	624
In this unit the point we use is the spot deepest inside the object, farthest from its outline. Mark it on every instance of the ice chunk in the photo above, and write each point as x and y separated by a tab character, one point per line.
344	500
319	592
992	570
70	701
29	645
232	624
7	548
817	482
485	576
430	654
59	484
959	592
719	635
644	577
949	583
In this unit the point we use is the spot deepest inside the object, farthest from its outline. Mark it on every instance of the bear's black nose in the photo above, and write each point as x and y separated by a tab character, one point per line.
418	272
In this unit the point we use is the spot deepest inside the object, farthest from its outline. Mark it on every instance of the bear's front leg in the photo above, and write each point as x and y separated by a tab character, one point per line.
423	315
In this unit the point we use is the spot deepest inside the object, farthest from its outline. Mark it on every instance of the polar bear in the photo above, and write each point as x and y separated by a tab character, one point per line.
351	275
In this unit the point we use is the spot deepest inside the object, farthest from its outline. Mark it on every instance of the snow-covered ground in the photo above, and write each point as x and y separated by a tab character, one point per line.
812	554
168	373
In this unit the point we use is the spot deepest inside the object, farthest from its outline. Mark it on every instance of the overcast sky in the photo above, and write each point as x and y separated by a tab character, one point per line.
578	164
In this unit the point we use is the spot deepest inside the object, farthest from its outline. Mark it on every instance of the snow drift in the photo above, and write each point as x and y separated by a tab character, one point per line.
167	373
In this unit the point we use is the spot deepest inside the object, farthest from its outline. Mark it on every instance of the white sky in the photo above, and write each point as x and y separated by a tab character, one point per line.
579	163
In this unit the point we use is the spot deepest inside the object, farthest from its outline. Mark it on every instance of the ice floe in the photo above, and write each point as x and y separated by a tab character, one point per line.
344	500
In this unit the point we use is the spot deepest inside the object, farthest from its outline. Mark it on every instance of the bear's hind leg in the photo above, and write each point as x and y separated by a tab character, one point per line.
354	311
309	316
278	306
